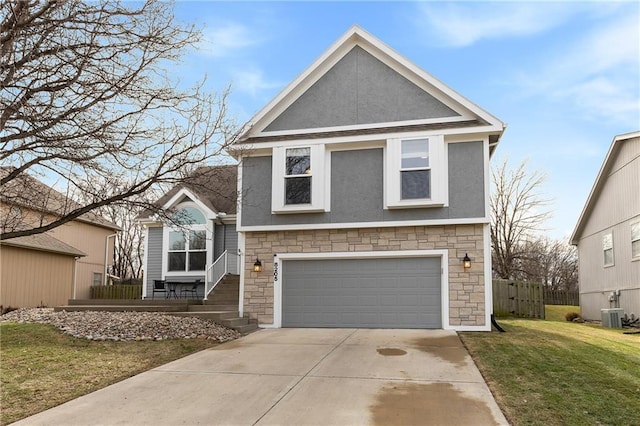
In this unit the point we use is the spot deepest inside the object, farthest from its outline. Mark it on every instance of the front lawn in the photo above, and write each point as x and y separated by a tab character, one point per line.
42	368
560	373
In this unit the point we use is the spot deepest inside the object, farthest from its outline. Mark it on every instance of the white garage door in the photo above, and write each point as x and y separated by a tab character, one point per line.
369	293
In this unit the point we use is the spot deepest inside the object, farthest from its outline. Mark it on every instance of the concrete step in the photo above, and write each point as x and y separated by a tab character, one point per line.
123	308
246	329
234	322
217	316
220	307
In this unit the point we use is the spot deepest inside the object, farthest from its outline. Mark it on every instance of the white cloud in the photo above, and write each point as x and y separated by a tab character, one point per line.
464	24
223	40
598	74
252	81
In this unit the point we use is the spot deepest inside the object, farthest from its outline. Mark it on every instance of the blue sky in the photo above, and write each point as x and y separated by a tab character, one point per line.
564	76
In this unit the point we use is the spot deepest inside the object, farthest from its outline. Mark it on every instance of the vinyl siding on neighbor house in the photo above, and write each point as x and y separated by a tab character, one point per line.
32	278
616	208
357	189
91	240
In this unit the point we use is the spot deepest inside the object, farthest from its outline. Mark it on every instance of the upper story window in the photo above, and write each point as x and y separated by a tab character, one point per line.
298	179
635	240
297	188
416	173
607	248
187	245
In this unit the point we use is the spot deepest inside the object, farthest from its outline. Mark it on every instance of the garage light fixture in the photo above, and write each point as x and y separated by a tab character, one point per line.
466	261
257	266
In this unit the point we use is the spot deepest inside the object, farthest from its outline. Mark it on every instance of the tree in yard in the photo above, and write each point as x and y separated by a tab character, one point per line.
518	213
86	101
553	263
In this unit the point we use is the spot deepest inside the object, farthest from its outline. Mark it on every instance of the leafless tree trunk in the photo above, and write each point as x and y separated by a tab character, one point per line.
85	101
518	213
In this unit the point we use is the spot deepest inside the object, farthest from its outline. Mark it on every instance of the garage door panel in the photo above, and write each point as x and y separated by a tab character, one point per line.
380	293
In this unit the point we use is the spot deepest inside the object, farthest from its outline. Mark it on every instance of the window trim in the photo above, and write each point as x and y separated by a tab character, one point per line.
319	177
186	229
637	257
604	250
439	174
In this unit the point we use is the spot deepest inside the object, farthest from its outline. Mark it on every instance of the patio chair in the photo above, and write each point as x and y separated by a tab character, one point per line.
159	287
193	290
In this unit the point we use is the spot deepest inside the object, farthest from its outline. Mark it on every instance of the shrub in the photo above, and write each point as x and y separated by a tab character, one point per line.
571	315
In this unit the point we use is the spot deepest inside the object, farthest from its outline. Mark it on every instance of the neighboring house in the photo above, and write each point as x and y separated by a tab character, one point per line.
205	208
61	264
364	185
608	233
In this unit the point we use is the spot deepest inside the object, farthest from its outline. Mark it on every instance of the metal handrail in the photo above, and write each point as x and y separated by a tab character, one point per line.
227	263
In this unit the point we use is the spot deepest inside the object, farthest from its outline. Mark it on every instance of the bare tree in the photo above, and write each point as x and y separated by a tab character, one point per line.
553	263
518	213
86	101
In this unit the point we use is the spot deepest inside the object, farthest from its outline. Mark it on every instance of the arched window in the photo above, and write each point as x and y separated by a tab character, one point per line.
187	248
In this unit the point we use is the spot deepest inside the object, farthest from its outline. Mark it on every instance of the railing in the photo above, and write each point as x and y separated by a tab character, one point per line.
227	263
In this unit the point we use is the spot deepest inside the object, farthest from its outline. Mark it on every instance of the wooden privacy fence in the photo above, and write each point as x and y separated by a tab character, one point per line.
518	298
116	292
561	297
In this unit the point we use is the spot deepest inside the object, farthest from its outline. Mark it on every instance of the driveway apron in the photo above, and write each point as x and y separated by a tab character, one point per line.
300	377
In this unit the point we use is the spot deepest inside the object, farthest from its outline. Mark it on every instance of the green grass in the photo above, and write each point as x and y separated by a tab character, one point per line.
41	367
560	373
557	312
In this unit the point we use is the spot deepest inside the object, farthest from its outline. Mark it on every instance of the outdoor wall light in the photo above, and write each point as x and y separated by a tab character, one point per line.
466	261
257	266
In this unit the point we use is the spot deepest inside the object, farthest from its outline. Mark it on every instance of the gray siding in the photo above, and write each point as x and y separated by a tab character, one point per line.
225	238
617	207
153	269
357	189
359	89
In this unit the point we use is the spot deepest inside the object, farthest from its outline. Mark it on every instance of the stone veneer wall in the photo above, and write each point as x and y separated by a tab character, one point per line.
466	288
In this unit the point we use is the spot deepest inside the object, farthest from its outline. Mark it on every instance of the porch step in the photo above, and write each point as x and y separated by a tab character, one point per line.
217	316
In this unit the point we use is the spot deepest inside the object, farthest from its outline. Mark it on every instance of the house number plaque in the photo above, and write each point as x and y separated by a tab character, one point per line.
275	271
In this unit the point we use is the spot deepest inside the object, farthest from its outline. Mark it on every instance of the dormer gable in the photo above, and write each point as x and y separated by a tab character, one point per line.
360	84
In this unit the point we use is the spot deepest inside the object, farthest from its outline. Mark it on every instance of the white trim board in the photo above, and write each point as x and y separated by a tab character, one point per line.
355	225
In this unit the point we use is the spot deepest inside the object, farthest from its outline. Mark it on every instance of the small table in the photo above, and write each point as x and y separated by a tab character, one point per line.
173	285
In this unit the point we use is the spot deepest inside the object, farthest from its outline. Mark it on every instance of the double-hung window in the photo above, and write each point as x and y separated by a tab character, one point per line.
298	179
635	240
607	249
187	246
416	173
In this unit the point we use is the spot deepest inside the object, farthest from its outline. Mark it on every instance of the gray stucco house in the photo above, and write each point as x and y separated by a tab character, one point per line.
607	234
365	187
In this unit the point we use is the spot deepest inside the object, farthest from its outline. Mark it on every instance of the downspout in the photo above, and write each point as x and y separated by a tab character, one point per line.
106	254
75	275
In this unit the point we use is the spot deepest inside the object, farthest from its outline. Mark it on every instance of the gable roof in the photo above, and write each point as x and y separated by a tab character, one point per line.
27	191
453	110
215	186
43	242
592	199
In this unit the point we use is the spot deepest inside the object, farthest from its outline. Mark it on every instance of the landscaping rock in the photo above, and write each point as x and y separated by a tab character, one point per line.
124	326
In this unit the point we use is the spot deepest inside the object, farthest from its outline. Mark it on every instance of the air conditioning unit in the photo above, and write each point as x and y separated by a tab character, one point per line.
612	318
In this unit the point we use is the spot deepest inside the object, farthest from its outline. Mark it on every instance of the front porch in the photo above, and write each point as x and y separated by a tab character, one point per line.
221	306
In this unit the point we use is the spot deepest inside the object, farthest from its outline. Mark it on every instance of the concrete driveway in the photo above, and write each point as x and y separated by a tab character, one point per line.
300	377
